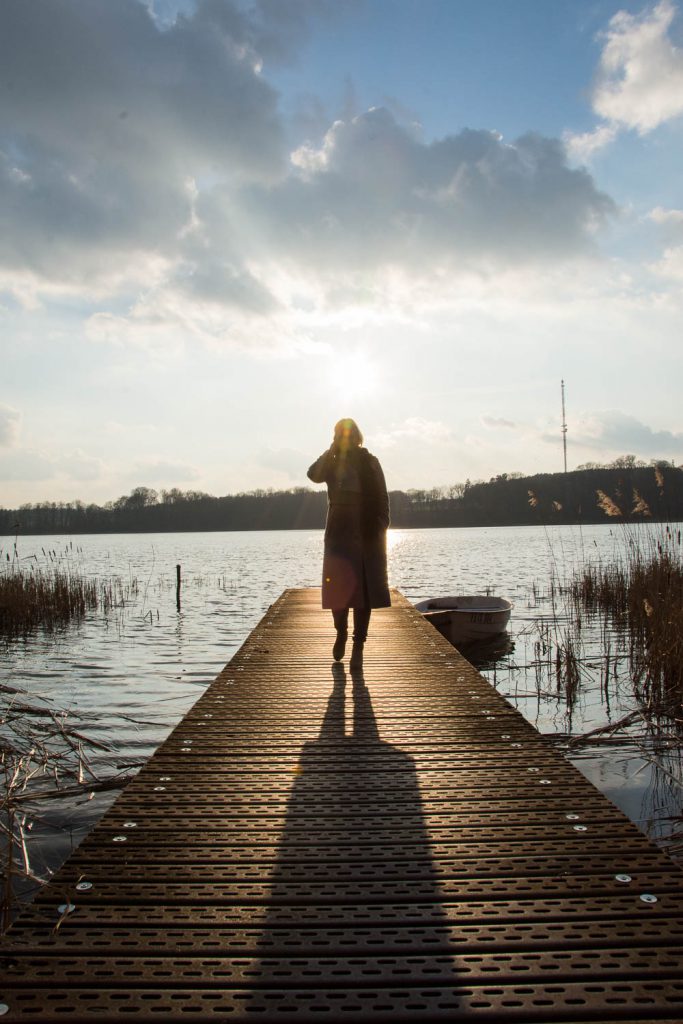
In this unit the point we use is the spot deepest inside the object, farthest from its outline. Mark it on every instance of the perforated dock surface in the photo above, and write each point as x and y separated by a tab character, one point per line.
401	847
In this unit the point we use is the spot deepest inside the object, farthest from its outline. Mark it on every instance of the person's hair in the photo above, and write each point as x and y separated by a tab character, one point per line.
347	434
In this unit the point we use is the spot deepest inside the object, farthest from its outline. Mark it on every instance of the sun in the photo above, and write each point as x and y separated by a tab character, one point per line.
352	375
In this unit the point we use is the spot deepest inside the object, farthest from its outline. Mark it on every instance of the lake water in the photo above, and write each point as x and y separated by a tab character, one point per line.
131	675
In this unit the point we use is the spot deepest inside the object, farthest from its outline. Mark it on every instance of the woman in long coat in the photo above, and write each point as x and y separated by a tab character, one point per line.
355	560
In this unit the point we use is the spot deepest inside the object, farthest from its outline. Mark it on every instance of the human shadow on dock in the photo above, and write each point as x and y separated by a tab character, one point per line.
355	890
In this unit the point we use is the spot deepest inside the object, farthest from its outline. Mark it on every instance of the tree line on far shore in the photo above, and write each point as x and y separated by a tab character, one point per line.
626	491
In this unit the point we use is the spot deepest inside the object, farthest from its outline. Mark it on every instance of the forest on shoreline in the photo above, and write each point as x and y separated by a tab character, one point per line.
627	491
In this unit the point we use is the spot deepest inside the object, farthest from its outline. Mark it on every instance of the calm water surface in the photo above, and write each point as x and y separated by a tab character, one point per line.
133	673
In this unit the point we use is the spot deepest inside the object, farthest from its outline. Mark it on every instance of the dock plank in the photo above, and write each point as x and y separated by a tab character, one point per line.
310	846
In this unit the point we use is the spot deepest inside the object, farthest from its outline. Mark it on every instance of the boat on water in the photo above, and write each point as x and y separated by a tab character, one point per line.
467	619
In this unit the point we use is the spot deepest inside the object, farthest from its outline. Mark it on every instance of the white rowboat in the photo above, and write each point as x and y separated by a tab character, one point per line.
466	619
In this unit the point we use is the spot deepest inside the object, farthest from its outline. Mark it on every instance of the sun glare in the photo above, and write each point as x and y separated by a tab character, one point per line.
394	539
352	376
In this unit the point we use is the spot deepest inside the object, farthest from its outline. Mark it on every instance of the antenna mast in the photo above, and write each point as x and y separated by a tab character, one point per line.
564	430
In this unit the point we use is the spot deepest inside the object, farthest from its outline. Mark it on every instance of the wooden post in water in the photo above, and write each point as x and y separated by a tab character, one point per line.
564	430
177	587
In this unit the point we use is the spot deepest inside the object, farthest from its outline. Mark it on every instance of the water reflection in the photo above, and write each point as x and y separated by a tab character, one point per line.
485	655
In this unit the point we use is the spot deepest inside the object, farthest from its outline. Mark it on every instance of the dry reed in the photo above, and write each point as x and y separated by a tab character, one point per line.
45	755
50	598
641	596
608	505
29	599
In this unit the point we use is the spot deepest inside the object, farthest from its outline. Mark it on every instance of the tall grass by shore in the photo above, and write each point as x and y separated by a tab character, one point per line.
634	600
640	597
29	599
50	595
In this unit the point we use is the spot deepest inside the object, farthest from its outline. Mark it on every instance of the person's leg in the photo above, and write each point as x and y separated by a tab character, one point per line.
341	624
361	621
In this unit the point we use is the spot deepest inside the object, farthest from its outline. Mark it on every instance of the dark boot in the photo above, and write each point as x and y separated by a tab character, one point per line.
339	646
361	620
356	662
341	624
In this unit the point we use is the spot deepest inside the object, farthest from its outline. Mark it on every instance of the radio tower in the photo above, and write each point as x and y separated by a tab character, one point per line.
564	430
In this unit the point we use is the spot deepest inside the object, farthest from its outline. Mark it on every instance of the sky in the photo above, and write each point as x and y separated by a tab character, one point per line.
225	224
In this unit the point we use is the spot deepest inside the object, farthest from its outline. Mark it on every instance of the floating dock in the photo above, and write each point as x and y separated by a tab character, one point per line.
308	846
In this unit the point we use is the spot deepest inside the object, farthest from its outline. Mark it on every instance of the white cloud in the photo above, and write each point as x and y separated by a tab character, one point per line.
374	195
494	422
161	471
27	464
143	170
613	432
10	422
414	429
24	465
374	213
131	429
640	77
639	80
582	147
104	118
165	323
80	466
421	452
670	265
668	217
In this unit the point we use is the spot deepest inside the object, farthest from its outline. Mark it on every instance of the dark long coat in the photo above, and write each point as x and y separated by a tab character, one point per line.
355	559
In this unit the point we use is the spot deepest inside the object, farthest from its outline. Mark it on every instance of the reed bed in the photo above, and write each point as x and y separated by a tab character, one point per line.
609	635
50	599
640	597
51	595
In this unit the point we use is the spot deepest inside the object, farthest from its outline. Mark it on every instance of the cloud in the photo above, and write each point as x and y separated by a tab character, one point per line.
144	170
164	322
638	82
26	466
29	465
668	217
584	146
373	194
159	471
373	209
104	118
640	77
10	421
218	283
616	432
79	466
420	452
414	429
494	422
671	263
130	429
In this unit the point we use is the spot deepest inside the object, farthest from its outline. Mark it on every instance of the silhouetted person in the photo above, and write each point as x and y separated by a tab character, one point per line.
355	561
